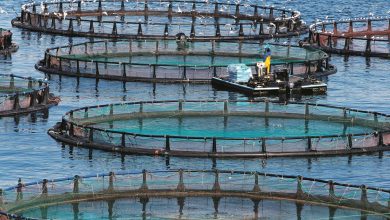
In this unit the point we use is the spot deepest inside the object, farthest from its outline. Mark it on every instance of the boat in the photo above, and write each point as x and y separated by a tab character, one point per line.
259	81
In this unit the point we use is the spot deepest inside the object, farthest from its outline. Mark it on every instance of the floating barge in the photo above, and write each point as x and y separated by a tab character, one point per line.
277	83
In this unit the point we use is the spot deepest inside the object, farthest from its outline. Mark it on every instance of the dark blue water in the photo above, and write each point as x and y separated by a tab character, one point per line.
27	151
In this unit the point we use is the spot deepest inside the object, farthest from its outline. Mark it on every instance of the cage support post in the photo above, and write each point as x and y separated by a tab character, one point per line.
309	144
318	39
225	107
350	145
90	135
216	10
70	28
192	33
346	45
139	32
307	112
217	30
364	198
256	187
368	47
33	101
76	184
123	140
241	31
111	176
299	186
124	75
330	41
271	12
144	185
22	16
44	187
53	23
180	186
97	70
111	109
261	28
350	26
71	129
263	146
180	105
380	138
91	28
214	147
114	29
167	143
1	197
16	105
266	110
369	25
216	186
77	67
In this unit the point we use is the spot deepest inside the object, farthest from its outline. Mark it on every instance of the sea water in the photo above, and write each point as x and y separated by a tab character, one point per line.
26	150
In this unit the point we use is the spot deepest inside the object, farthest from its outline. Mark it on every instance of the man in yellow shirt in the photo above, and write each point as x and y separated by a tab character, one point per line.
267	59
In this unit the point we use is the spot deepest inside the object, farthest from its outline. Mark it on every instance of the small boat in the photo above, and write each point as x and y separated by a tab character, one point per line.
259	82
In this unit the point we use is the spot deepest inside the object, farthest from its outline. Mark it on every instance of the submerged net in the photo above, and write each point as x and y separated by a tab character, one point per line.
157	19
247	129
167	60
206	191
366	37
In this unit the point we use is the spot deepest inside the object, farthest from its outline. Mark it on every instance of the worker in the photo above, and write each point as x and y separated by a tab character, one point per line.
19	190
267	59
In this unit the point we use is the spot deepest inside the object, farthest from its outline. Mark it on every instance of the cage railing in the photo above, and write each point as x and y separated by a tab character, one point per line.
366	37
215	183
77	127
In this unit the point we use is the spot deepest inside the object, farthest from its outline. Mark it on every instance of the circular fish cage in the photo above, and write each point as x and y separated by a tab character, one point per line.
216	129
170	61
362	37
161	19
197	193
20	95
6	45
